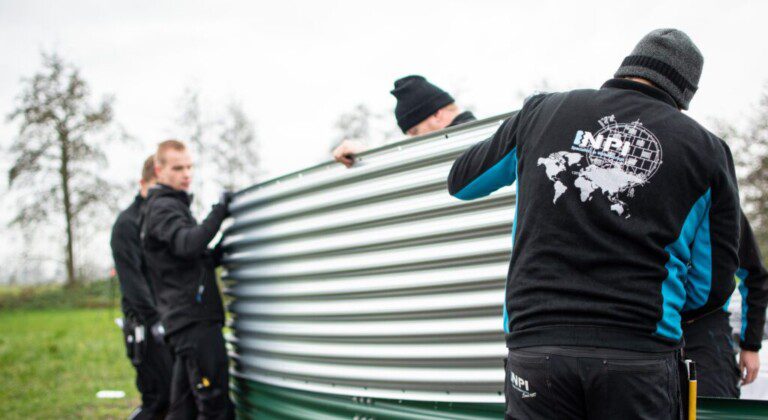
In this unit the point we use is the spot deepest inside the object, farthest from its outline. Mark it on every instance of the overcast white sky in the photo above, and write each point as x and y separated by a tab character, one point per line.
296	65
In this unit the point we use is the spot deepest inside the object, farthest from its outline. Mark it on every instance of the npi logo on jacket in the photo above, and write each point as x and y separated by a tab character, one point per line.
613	162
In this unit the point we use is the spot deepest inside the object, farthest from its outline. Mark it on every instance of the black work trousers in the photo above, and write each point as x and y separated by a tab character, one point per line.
708	343
153	363
591	383
200	384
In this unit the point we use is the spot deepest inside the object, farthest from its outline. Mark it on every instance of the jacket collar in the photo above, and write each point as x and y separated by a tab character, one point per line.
462	118
651	91
164	190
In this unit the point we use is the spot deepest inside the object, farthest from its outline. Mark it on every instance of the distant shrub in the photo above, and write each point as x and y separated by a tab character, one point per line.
96	294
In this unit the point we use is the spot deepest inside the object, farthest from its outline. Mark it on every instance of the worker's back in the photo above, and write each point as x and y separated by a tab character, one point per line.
619	195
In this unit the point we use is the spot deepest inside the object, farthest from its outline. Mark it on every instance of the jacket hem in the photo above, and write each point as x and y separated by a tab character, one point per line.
590	336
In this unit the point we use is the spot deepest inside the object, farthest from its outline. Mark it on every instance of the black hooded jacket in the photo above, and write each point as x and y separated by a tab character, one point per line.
181	267
138	302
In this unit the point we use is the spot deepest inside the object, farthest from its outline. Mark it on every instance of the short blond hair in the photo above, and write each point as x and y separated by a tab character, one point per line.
165	146
148	171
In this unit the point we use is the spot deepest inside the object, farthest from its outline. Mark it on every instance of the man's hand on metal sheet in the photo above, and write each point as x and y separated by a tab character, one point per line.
346	151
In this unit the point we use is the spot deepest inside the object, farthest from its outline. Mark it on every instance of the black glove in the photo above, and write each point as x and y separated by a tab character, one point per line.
226	199
158	332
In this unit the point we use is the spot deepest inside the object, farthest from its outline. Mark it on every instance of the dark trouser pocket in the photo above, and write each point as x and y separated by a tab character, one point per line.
202	359
636	389
209	394
527	386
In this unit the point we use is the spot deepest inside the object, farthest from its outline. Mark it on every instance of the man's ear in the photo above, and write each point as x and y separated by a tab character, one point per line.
440	114
157	171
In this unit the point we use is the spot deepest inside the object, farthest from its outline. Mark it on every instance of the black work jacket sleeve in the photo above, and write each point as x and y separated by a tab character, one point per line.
126	252
488	165
217	253
714	253
171	224
753	287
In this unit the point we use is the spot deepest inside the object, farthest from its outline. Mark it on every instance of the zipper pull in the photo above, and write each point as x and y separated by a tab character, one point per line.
200	290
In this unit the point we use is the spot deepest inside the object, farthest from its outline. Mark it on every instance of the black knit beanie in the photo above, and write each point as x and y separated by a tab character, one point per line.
669	59
417	99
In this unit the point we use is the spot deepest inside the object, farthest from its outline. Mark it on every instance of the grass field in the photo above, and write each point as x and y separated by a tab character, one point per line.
53	361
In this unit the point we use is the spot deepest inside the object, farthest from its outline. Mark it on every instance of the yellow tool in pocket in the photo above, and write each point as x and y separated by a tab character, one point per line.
204	383
690	366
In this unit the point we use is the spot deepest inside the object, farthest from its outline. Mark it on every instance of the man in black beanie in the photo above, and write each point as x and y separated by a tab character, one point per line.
422	108
626	225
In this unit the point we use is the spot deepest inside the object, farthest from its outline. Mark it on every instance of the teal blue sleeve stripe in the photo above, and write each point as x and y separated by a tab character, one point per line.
503	173
742	274
514	230
673	287
699	281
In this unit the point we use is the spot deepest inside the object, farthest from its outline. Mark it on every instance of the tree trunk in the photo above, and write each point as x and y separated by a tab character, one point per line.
64	171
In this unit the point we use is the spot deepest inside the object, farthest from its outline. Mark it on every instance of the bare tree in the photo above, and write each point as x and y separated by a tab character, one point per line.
58	159
542	86
355	124
196	130
235	155
191	120
363	124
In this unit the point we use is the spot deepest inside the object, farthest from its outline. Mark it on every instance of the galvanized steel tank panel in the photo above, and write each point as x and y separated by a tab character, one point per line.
373	281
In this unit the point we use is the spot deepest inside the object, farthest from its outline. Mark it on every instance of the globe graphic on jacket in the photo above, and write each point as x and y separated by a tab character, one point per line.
644	157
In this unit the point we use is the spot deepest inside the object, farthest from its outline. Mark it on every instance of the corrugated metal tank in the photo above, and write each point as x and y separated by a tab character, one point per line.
370	292
373	281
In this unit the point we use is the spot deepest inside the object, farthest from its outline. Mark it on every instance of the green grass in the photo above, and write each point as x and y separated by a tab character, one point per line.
53	361
58	347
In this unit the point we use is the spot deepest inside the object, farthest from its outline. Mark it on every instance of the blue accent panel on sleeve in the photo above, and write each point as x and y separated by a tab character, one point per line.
504	172
742	275
700	274
514	230
673	290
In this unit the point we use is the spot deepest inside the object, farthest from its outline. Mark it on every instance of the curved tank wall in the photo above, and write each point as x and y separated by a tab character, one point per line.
373	281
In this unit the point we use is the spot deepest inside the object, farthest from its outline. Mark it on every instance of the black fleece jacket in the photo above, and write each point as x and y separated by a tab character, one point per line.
463	118
753	287
138	301
627	218
179	263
